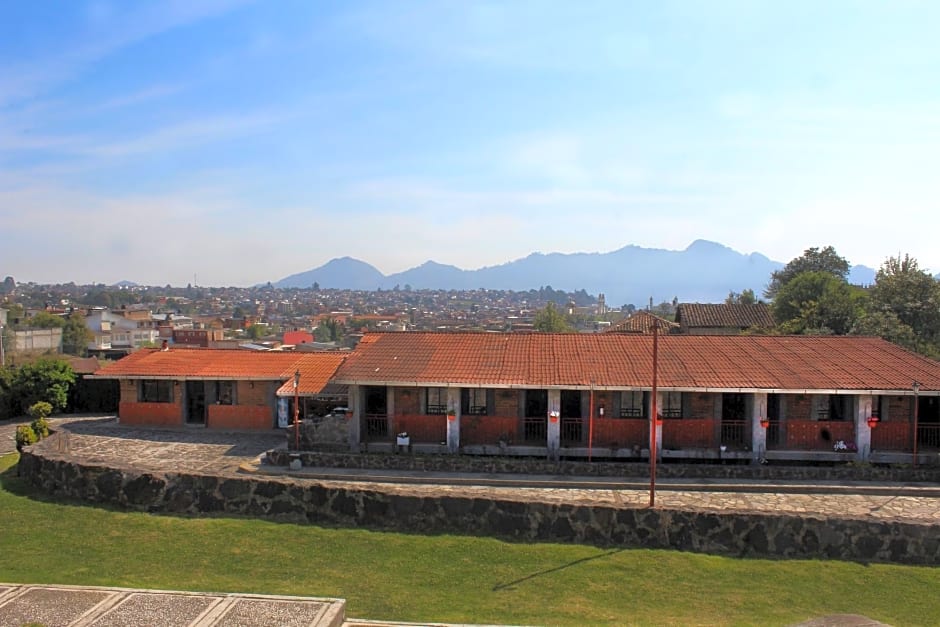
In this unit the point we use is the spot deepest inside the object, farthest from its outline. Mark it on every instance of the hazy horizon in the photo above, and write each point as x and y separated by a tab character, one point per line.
241	141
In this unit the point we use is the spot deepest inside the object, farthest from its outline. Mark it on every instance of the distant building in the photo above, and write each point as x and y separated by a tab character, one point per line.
297	337
722	318
203	338
39	341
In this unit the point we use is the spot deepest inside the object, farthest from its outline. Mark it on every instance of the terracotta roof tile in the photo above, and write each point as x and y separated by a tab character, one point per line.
625	361
193	363
639	322
724	315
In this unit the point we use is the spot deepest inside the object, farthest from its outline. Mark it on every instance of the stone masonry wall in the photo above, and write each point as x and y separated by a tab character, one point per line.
381	507
539	466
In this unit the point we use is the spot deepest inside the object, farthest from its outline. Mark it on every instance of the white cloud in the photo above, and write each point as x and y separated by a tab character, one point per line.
109	31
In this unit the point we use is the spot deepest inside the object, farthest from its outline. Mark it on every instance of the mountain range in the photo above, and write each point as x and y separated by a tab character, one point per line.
704	272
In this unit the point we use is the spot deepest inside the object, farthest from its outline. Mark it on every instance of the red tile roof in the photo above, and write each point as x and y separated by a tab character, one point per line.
189	363
686	362
641	322
316	371
724	316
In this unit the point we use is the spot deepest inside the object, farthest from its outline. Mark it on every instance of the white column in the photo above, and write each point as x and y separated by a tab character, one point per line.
390	409
862	430
354	417
554	423
758	433
453	420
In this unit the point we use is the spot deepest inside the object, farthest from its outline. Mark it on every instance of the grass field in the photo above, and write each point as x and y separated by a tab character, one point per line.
395	576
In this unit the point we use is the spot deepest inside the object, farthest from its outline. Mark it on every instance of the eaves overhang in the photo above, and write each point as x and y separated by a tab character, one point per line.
629	388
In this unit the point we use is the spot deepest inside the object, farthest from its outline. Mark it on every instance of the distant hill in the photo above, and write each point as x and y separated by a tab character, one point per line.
861	275
342	273
704	272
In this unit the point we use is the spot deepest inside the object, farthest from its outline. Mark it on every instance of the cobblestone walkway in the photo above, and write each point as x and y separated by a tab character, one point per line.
194	450
102	440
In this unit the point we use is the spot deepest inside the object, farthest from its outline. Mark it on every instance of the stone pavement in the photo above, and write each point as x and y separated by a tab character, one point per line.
102	440
121	607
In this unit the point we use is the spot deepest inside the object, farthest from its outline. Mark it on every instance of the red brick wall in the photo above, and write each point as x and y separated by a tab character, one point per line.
487	429
252	393
604	399
892	435
407	400
799	407
507	403
900	409
806	435
702	405
420	428
128	391
240	417
621	432
156	414
689	433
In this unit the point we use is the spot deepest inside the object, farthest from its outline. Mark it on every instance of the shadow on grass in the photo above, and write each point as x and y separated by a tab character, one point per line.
510	585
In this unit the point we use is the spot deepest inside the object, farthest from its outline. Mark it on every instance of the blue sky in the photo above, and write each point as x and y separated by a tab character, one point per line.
240	142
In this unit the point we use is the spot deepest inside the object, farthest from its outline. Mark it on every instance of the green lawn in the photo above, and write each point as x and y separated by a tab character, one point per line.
395	576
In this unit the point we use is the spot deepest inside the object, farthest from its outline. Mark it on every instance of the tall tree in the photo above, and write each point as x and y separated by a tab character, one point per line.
817	303
75	335
550	320
904	292
812	260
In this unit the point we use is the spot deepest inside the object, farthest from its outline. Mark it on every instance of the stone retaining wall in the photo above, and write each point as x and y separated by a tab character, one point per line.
517	465
381	507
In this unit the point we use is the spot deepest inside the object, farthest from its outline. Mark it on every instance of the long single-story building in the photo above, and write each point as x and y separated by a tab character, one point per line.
572	395
221	388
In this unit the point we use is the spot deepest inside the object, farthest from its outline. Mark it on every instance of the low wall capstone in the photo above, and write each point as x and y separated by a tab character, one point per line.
382	507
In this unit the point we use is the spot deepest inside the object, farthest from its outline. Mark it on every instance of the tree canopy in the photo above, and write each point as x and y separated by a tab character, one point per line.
550	320
812	260
47	380
817	303
46	320
75	336
905	300
746	297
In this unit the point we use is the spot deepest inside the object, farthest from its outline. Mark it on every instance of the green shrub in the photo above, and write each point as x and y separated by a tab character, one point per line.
25	436
40	409
40	427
